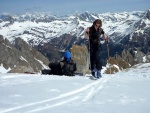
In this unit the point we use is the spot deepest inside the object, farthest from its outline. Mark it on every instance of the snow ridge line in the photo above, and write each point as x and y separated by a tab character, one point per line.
55	98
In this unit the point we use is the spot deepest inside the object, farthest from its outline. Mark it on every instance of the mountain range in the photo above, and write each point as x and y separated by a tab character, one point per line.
52	35
41	27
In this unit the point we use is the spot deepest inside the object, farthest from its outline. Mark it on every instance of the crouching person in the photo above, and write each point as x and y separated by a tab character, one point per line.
65	67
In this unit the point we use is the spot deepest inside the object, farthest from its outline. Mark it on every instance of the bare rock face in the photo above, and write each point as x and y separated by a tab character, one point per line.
9	55
32	56
140	57
115	64
135	57
22	69
20	57
128	57
121	62
81	57
148	57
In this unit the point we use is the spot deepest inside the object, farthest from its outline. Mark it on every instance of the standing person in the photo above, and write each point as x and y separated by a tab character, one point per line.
93	34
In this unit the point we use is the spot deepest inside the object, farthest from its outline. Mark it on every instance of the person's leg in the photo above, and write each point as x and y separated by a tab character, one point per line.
98	63
94	72
92	62
92	59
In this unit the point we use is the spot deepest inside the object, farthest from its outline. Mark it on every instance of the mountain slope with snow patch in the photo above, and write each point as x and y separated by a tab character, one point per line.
43	27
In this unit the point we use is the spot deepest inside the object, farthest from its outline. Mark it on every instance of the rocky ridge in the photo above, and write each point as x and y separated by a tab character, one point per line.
19	57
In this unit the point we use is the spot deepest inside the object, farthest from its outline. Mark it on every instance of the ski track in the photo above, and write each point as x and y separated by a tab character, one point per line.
82	94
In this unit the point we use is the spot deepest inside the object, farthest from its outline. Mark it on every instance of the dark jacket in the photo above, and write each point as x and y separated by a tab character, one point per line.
95	37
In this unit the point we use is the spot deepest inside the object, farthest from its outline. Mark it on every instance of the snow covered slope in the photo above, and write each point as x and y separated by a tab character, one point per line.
125	92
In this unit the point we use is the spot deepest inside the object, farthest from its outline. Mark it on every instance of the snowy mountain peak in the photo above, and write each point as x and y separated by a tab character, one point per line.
40	27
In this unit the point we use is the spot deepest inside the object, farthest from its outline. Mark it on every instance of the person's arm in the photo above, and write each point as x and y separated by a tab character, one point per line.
105	37
87	33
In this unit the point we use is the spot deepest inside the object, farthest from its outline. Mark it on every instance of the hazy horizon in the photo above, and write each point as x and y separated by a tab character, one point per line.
65	7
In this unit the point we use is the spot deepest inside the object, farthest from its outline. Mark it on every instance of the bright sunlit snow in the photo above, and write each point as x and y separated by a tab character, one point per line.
125	92
3	70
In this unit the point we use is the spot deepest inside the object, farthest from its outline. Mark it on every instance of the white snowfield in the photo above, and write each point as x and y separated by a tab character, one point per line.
125	92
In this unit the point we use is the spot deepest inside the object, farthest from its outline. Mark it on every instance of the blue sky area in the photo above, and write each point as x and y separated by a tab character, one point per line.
63	7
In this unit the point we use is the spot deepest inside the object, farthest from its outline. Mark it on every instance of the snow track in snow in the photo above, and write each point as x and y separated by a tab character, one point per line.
79	95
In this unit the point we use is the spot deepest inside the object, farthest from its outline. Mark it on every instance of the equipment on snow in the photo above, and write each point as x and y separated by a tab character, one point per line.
46	71
108	56
65	67
68	68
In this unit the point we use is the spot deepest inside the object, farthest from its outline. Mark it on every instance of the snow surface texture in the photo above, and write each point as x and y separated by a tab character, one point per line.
127	91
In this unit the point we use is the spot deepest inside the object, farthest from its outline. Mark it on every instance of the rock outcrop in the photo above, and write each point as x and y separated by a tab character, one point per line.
80	56
116	64
128	59
20	54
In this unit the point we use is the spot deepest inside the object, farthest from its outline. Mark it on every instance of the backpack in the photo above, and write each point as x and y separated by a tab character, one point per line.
68	68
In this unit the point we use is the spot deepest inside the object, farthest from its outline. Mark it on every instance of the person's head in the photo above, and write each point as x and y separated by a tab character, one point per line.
97	23
67	56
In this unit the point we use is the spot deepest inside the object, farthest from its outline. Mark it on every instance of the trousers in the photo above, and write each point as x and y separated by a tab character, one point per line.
95	60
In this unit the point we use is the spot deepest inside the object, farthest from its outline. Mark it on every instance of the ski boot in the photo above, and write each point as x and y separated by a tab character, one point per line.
94	73
99	74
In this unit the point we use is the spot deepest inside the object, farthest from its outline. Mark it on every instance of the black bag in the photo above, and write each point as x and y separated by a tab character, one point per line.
46	71
55	68
68	68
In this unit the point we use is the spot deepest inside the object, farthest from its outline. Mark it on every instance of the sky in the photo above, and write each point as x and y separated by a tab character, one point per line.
65	7
124	92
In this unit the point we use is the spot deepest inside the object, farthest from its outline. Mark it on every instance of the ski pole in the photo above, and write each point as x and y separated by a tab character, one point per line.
108	56
89	54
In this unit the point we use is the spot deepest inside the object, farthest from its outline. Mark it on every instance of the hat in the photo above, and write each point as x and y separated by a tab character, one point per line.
67	55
